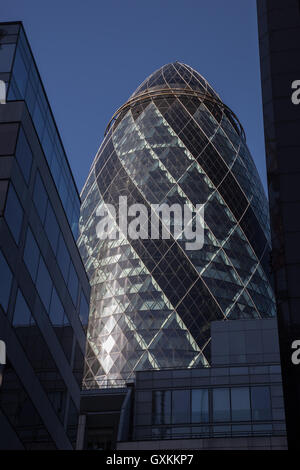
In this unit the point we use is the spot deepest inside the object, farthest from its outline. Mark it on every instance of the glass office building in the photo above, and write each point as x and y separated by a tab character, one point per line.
279	35
152	300
44	289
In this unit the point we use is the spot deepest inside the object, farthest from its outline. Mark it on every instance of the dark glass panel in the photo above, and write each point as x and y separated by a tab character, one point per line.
84	310
22	315
5	284
221	404
161	407
13	213
63	257
40	197
261	403
240	404
73	283
44	284
24	155
200	410
56	311
181	406
31	254
51	227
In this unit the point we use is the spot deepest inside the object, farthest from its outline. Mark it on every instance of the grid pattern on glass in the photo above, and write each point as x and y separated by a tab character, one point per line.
25	84
13	213
201	406
152	301
55	237
41	277
24	155
39	355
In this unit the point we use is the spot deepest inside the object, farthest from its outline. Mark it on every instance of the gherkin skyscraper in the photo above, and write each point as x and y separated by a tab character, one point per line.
152	301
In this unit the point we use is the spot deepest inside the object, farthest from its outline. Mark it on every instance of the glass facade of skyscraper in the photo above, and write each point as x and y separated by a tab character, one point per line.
44	290
19	71
152	300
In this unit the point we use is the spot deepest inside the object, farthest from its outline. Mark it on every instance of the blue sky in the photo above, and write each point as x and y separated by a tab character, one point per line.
92	55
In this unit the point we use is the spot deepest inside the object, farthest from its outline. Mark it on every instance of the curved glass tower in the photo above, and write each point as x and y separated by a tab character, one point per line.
152	301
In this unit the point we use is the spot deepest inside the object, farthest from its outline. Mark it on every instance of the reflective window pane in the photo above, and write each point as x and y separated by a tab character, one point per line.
40	197
84	310
24	155
56	312
13	213
39	118
20	72
199	406
261	403
51	227
31	254
25	83
73	283
180	406
63	257
162	407
22	314
47	146
221	404
5	284
240	404
44	284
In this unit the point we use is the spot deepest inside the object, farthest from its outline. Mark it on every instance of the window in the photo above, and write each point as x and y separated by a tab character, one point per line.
47	144
24	155
261	403
221	404
56	312
55	237
84	310
22	314
240	404
228	404
73	283
51	227
31	254
55	167
40	197
20	72
200	406
38	116
44	284
162	407
13	213
30	93
180	406
63	257
5	284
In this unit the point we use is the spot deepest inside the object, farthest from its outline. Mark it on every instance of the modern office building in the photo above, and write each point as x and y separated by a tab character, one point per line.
153	300
237	403
44	290
279	43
